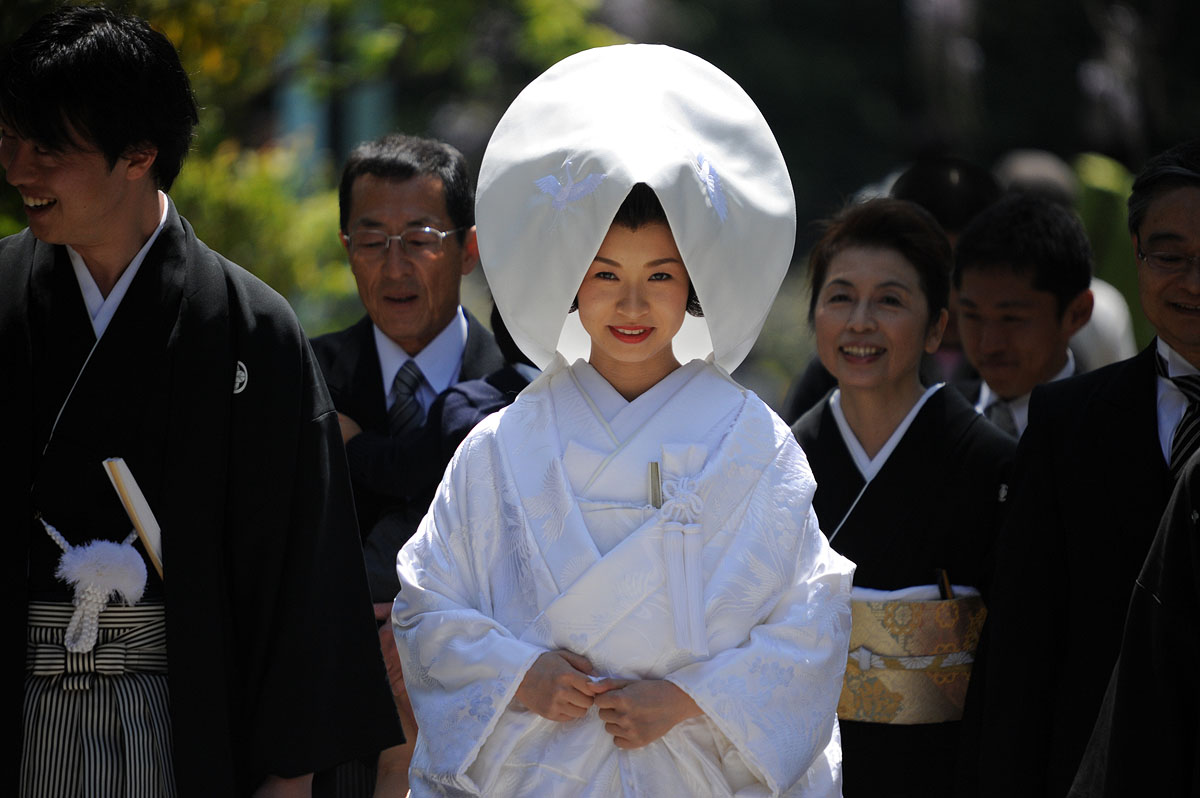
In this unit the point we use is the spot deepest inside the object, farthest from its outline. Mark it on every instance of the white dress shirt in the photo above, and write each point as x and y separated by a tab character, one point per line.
440	361
1171	401
1020	405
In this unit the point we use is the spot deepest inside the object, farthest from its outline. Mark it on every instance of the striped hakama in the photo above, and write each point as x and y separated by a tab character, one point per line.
97	723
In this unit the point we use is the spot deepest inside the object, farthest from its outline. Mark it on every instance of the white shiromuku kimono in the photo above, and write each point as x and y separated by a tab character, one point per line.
542	536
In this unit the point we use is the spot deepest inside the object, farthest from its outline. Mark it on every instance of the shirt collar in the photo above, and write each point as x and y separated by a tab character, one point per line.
440	361
1176	364
1020	405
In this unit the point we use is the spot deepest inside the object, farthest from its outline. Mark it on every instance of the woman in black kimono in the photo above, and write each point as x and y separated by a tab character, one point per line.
911	483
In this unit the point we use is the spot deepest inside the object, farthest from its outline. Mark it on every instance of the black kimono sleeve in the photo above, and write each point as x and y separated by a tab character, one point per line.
316	691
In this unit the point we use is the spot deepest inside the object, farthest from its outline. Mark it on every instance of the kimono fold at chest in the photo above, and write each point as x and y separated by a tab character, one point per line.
569	552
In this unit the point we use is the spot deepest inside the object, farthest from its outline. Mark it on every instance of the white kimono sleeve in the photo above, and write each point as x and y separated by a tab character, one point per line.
461	667
774	696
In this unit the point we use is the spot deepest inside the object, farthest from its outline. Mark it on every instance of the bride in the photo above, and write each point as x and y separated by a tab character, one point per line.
621	587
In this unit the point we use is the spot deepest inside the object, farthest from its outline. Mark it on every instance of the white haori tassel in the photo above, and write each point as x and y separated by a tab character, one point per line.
97	571
682	546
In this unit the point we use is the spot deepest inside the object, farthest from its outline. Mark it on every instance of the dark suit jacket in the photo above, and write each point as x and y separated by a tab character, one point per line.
1091	484
1147	737
394	478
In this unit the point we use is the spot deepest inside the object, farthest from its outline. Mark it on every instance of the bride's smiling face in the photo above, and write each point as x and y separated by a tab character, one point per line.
632	302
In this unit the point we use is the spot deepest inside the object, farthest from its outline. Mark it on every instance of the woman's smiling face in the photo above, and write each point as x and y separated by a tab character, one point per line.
872	321
632	303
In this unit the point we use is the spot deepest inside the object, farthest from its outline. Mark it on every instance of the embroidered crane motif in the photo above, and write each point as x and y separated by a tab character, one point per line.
573	190
712	185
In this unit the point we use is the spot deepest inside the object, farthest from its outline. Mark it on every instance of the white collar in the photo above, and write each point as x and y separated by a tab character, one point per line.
868	466
609	403
100	308
440	361
1020	405
1176	365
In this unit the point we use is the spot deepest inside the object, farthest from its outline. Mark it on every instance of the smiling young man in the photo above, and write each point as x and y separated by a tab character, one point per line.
249	661
1095	469
1022	271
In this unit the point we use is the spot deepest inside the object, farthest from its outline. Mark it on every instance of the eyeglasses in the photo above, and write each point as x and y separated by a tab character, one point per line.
1168	262
418	242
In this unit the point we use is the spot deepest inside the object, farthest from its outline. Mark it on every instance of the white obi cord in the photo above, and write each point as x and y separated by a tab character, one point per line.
683	543
97	571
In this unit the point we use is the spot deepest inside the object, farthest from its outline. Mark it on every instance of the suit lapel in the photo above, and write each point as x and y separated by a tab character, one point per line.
354	379
481	355
1127	435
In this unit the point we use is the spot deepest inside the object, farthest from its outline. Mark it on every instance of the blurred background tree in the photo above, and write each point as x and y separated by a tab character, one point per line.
854	91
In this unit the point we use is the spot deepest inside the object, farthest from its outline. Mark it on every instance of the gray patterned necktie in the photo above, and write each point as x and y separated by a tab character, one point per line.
1186	439
1000	414
406	413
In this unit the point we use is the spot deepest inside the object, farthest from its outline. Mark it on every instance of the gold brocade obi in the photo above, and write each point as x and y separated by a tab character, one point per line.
910	661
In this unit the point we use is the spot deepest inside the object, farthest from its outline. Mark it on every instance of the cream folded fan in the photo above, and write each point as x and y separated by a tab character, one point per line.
138	509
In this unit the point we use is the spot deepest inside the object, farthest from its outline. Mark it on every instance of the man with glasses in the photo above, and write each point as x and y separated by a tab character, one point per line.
407	215
1095	469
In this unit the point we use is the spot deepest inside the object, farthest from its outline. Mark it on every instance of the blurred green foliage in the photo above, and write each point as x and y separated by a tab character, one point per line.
1104	186
271	206
258	208
853	90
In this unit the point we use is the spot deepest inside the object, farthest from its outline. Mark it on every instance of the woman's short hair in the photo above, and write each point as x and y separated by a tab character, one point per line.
886	223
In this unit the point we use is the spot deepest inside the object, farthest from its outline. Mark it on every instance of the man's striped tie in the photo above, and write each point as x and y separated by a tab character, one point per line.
406	413
1187	431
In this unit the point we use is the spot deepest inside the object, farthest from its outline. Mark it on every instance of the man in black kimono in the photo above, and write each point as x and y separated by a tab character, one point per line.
123	335
1095	469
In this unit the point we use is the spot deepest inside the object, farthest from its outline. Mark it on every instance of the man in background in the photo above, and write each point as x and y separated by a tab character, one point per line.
407	213
1095	469
1022	272
407	222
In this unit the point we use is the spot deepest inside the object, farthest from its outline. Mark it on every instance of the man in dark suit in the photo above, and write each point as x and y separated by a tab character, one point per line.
1094	472
1022	270
1150	715
407	215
